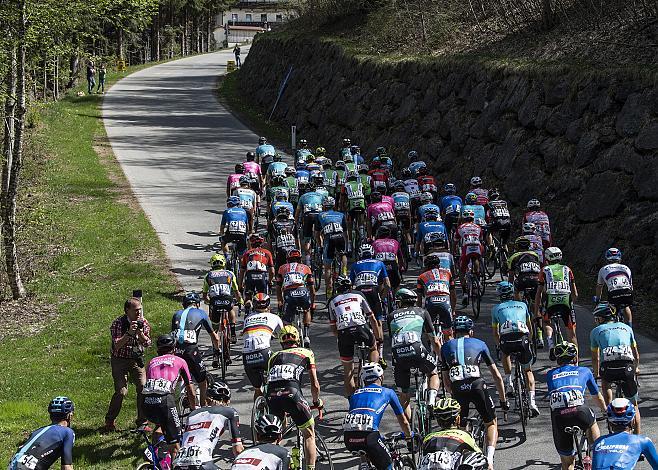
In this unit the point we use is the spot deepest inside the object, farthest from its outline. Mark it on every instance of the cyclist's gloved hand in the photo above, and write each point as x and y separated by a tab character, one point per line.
504	405
595	299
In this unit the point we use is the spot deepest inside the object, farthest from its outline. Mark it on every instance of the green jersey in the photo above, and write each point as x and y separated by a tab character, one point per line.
355	195
293	189
330	181
557	278
365	181
340	175
407	325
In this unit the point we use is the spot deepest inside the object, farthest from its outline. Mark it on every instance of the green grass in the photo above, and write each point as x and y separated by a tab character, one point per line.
84	198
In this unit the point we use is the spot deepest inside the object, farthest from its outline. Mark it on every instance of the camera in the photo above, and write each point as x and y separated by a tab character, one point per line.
140	324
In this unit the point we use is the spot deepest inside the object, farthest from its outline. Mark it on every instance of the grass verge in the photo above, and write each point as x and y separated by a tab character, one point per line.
93	215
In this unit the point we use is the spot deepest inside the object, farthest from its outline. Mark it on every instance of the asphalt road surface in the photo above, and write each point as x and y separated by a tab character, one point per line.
177	145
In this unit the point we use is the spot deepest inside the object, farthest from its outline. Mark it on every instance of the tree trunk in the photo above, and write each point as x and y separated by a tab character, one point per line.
120	43
10	111
9	206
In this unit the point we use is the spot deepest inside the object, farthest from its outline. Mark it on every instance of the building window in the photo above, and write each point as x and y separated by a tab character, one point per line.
279	17
263	18
234	17
248	17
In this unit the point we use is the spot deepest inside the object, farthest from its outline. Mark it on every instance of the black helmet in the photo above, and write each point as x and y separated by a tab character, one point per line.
191	298
433	260
239	168
406	173
219	391
268	426
342	284
262	141
251	156
383	232
446	411
165	343
375	197
494	194
565	352
604	310
278	157
522	243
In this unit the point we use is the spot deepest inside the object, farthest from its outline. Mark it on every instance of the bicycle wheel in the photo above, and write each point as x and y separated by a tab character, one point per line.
222	350
502	263
476	299
419	421
519	398
145	466
259	409
489	265
317	267
324	460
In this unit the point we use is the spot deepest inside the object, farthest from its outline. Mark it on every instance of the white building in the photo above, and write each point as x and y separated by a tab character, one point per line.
249	17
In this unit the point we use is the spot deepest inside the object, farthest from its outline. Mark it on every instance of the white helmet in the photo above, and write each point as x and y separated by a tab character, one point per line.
533	204
476	181
370	372
529	228
553	253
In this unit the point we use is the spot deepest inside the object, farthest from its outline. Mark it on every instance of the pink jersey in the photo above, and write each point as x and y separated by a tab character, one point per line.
482	194
469	234
387	250
540	219
234	181
388	200
380	212
163	372
252	168
536	245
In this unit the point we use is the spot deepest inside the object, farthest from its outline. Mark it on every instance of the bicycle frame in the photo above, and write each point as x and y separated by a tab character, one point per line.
579	438
151	451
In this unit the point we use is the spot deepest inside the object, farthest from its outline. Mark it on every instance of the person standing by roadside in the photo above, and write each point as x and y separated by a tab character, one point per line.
236	51
91	77
102	71
131	334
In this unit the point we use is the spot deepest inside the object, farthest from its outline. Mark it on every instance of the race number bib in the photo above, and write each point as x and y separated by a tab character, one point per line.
158	386
386	256
529	267
217	290
293	279
500	212
385	216
312	208
513	326
558	287
617	353
246	203
192	455
354	193
285	240
365	279
407	337
452	209
237	226
463	372
401	205
189	336
351	318
331	228
254	343
358	422
442	460
433	288
566	399
618	282
256	266
281	372
28	461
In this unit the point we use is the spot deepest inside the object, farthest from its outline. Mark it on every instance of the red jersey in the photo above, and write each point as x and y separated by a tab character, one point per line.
435	282
427	183
257	259
294	275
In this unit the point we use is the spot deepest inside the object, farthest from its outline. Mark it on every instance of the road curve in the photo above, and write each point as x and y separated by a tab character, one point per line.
177	145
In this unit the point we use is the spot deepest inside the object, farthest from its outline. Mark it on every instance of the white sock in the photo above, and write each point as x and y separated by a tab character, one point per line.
532	397
431	396
380	350
550	342
490	454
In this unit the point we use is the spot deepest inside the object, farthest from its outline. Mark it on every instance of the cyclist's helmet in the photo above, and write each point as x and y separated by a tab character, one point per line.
436	238
348	157
261	301
310	158
431	214
280	195
406	173
233	201
370	372
476	181
565	352
621	412
310	186
342	284
473	461
328	203
251	156
404	296
320	151
376	162
375	197
262	141
289	334
60	407
303	143
529	228
426	197
294	254
165	343
422	171
353	175
301	165
505	290
255	239
283	212
398	185
366	251
269	426
468	215
462	323
604	310
219	391
383	232
533	204
239	168
450	188
431	261
412	156
355	150
364	169
278	157
553	254
218	260
191	298
244	181
613	255
327	164
340	164
494	194
471	198
346	143
446	411
380	151
522	243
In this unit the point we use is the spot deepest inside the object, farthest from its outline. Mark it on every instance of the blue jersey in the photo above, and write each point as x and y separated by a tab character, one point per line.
277	168
425	207
187	332
447	261
277	204
478	210
265	149
621	451
451	205
331	224
302	176
44	447
613	342
425	228
510	316
401	201
311	202
367	406
461	358
235	220
567	385
358	159
368	273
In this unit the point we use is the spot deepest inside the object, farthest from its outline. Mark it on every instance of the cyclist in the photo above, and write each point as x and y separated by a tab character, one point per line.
566	389
291	184
471	204
380	214
284	387
621	450
280	199
264	154
330	177
233	180
367	407
402	209
256	267
332	232
247	199
426	182
162	373
369	276
524	268
535	215
615	356
340	175
252	169
481	194
49	443
276	184
469	236
205	426
512	330
349	314
379	176
460	364
415	163
308	208
283	231
186	325
430	224
427	204
388	250
411	187
437	286
557	292
366	180
451	206
259	327
276	168
443	449
233	228
220	290
354	203
414	344
618	280
529	231
498	219
318	179
295	289
266	455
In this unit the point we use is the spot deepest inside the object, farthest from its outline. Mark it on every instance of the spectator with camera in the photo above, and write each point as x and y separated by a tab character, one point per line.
131	334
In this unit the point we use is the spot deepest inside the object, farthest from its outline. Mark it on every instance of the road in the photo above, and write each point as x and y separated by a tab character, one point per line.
177	144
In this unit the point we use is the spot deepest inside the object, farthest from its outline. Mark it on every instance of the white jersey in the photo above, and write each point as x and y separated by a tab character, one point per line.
258	330
263	457
348	310
615	276
202	432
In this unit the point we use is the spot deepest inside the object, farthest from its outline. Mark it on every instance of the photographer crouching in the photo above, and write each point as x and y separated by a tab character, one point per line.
131	334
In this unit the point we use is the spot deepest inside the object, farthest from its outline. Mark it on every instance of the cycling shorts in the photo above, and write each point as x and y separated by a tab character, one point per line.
285	397
350	337
161	410
256	282
371	293
404	219
523	281
372	444
194	360
581	416
219	305
355	212
502	226
566	313
394	275
239	239
391	225
469	252
255	365
451	220
621	371
474	391
411	356
517	343
281	257
293	299
621	298
308	224
331	246
438	306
